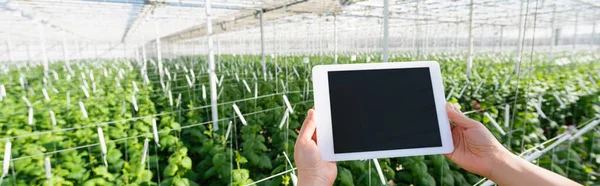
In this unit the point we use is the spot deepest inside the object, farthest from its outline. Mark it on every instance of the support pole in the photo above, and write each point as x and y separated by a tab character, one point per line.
519	41
470	55
335	41
262	47
43	48
573	52
426	41
553	34
593	40
65	52
501	42
211	66
8	50
386	37
29	52
456	36
158	52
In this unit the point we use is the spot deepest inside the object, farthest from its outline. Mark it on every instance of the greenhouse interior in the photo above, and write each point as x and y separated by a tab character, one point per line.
215	92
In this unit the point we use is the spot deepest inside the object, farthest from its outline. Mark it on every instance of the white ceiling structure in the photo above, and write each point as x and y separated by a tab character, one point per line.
95	28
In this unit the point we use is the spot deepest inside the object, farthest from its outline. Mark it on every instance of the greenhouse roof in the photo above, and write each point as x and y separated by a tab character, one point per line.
139	21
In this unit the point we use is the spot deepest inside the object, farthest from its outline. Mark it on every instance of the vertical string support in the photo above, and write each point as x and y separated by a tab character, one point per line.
553	34
456	35
262	46
211	66
501	41
575	37
520	40
335	40
386	19
158	52
65	51
43	48
470	55
8	50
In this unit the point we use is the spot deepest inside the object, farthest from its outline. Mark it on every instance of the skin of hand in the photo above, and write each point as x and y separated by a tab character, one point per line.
475	148
477	151
312	170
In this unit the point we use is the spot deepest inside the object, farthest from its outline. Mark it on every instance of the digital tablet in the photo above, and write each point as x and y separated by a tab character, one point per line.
380	110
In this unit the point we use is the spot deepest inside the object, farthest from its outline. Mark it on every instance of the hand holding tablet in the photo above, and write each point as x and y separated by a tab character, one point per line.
367	111
343	114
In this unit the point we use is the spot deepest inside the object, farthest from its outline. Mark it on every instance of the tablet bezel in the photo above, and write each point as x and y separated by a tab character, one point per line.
323	111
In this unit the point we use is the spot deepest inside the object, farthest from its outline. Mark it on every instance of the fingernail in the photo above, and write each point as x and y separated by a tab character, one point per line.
450	107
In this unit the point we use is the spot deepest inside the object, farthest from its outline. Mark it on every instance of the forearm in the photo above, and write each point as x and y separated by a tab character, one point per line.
513	170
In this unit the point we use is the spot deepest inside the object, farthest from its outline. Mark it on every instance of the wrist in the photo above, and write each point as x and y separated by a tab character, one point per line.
505	164
310	178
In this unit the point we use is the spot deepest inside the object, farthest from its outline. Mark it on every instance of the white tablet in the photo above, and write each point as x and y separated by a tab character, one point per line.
380	110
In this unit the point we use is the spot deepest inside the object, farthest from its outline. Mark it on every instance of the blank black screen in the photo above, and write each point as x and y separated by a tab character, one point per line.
386	109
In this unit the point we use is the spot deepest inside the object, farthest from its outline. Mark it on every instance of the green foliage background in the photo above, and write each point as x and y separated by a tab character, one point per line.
189	152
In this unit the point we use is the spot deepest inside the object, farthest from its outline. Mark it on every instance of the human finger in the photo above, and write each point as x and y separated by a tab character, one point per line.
459	118
308	128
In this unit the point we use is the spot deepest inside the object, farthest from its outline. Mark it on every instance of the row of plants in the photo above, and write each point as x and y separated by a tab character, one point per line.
191	152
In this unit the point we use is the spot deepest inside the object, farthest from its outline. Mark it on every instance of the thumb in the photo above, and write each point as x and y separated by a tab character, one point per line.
455	115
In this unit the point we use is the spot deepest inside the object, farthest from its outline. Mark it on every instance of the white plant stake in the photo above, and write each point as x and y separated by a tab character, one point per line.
2	92
48	167
52	118
55	75
450	94
239	113
493	121
6	162
506	115
85	91
102	144
283	85
134	102
143	162
22	81
168	74
170	98
287	103
30	120
68	99
286	114
189	81
538	108
221	80
255	90
295	71
135	88
562	104
203	92
178	100
246	85
26	101
462	91
155	132
83	111
45	93
227	133
237	78
379	171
